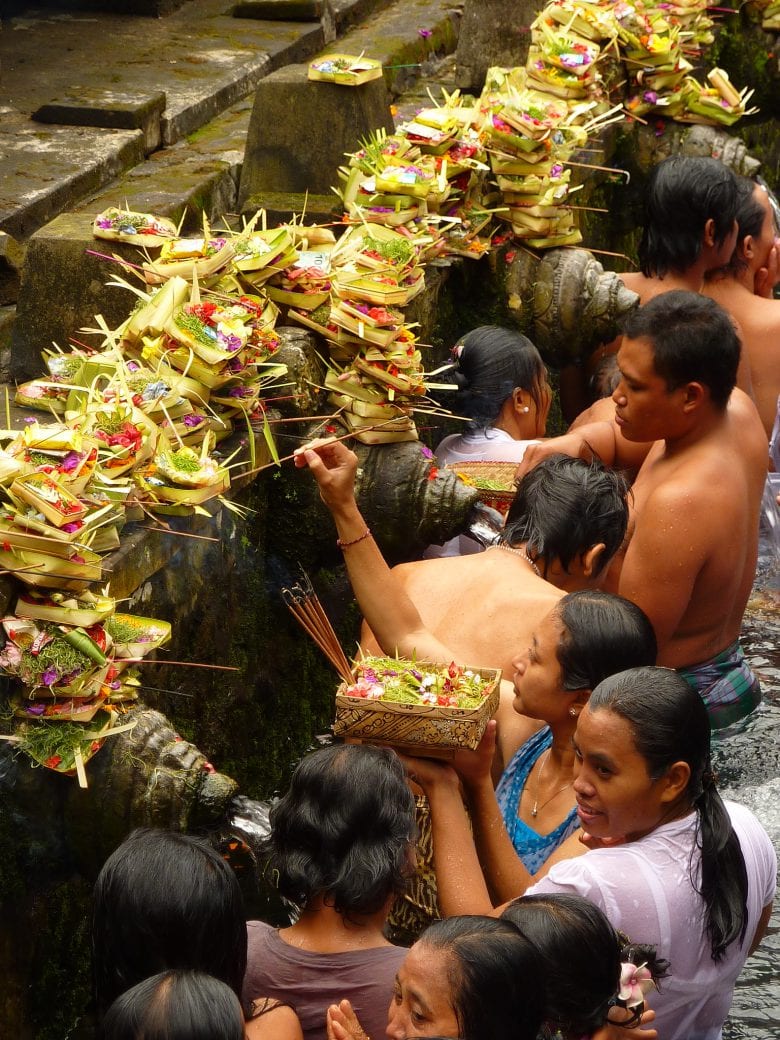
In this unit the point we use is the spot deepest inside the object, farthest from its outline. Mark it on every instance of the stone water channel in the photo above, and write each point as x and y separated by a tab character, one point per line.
223	595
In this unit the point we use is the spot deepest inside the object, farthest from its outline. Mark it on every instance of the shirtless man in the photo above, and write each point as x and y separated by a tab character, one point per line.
691	558
689	225
752	270
689	230
566	523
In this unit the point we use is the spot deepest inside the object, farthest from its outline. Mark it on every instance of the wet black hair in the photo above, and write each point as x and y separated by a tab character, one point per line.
343	830
564	506
750	219
683	193
669	724
693	339
165	900
581	956
496	981
603	633
605	378
491	362
175	1005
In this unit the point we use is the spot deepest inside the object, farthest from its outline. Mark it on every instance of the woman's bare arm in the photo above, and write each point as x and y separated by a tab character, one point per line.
389	612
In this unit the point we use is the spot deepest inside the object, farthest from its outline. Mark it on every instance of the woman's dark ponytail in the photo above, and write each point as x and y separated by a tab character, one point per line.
670	724
724	883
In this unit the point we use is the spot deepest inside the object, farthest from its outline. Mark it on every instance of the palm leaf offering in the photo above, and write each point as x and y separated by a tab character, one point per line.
68	665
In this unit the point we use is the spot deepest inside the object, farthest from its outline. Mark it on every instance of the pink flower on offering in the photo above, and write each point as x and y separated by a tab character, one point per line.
11	656
635	982
424	33
50	676
71	461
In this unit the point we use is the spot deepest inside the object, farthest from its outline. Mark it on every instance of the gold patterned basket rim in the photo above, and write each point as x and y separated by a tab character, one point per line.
502	472
430	729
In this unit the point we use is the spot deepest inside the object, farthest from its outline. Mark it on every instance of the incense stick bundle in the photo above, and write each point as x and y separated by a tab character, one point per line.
304	604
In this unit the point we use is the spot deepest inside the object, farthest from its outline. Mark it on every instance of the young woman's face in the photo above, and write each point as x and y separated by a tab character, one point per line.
537	677
616	797
422	997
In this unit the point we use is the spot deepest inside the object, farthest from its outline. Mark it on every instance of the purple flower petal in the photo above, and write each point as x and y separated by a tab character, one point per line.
71	461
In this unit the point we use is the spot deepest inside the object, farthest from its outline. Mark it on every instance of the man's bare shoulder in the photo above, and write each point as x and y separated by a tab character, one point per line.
697	488
494	571
645	288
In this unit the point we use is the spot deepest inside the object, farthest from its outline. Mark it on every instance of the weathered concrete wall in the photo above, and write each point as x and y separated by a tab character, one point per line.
300	130
493	32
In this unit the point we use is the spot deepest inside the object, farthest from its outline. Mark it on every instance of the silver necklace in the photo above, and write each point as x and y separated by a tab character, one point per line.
565	787
518	552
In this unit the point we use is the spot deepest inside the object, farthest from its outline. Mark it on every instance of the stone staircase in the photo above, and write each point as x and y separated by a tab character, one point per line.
153	114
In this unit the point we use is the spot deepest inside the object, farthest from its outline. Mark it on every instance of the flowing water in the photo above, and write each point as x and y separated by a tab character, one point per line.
748	762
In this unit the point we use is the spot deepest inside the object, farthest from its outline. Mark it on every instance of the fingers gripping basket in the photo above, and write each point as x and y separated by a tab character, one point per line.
434	730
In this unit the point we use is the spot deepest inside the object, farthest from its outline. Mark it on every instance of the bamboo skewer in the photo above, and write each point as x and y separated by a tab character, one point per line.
180	664
303	603
165	529
332	440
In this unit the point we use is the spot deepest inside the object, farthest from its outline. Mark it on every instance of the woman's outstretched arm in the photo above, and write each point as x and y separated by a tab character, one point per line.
390	613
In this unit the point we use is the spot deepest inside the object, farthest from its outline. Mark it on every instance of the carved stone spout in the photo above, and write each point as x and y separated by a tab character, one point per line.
574	304
407	502
147	777
677	139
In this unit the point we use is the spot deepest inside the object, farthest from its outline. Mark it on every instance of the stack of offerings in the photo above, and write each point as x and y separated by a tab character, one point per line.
389	181
656	42
58	517
376	367
718	103
561	63
448	132
73	657
530	136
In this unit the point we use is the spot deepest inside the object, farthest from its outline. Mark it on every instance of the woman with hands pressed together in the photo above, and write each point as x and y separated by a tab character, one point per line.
471	978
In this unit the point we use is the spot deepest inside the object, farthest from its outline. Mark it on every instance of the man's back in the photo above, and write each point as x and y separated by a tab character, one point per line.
484	606
759	322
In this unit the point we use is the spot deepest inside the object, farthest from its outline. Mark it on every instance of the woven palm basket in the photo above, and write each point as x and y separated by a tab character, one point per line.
423	729
498	476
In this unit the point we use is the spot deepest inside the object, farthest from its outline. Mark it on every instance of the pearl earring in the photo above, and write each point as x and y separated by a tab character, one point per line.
526	410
